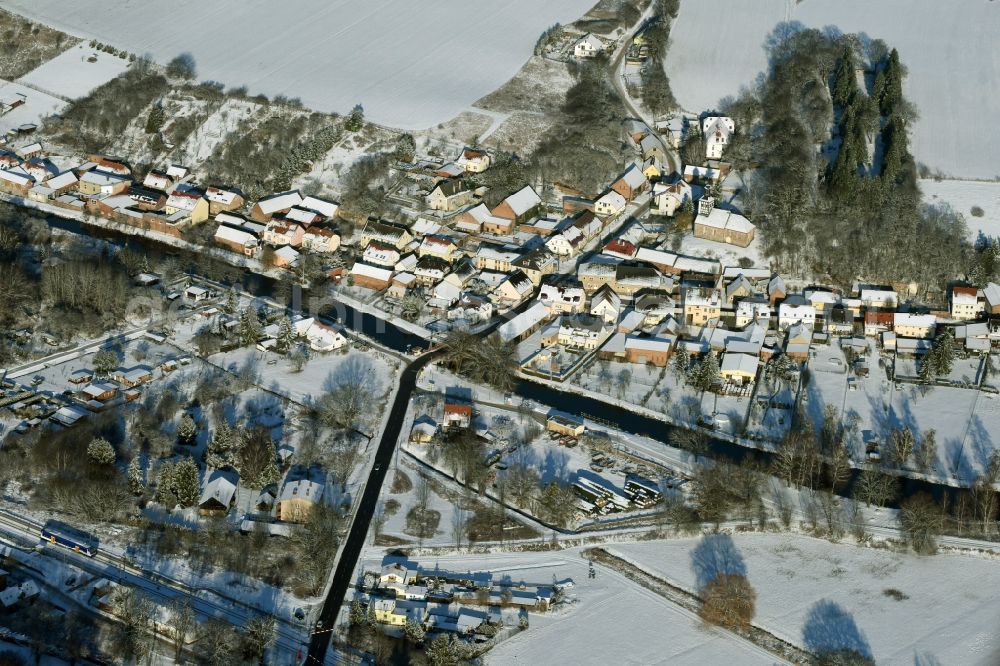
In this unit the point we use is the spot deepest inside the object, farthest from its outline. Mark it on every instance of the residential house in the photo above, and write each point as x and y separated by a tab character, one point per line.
324	338
430	270
518	207
840	321
423	431
371	277
514	290
991	296
610	204
457	414
62	183
474	161
651	147
739	369
320	239
524	324
236	240
132	377
621	249
15	183
606	304
471	221
877	297
701	305
442	247
752	310
630	278
796	309
675	131
536	265
218	493
401	285
302	491
274	204
668	199
157	180
386	234
378	254
496	258
588	46
652	169
450	195
327	209
907	325
631	183
146	198
717	132
693	172
582	331
878	321
191	203
722	225
95	183
397	613
281	232
776	289
222	200
563	299
966	303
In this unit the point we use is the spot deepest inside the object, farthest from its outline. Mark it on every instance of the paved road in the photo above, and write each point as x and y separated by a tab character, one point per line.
351	551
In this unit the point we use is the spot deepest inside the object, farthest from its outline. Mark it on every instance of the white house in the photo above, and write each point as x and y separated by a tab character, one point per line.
748	311
563	300
717	131
325	338
610	204
795	309
606	304
667	199
588	46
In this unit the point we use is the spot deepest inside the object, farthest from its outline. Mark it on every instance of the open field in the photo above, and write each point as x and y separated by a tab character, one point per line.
717	46
963	196
36	106
819	594
415	66
74	73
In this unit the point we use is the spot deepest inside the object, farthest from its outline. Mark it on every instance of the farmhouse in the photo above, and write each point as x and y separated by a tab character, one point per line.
667	199
648	351
588	46
236	240
609	204
96	183
966	303
302	491
908	325
474	161
631	183
371	277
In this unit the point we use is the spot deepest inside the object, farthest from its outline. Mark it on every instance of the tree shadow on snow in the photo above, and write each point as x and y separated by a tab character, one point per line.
829	628
714	555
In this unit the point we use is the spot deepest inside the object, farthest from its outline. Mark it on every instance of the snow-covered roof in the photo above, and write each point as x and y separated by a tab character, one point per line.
287	254
992	293
278	202
321	206
612	199
101	178
739	363
592	41
523	200
220	196
728	220
525	321
648	344
373	272
909	319
183	201
15	178
65	179
220	487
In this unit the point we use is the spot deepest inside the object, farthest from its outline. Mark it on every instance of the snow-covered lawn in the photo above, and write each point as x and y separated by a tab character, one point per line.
815	593
412	65
37	105
718	46
71	74
962	196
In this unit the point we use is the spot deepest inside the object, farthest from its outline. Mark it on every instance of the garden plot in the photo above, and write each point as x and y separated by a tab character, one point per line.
964	420
977	200
394	67
718	46
76	72
36	107
897	609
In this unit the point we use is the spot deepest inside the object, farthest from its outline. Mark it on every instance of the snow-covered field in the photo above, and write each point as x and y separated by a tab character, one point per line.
411	64
815	593
70	74
962	196
718	45
36	106
609	619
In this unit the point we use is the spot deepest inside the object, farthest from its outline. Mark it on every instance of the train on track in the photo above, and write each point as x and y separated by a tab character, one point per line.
61	534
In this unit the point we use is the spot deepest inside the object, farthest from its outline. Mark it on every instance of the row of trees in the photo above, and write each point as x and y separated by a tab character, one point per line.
656	93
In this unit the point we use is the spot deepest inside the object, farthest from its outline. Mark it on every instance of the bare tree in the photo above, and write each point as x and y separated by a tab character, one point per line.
875	487
729	601
921	520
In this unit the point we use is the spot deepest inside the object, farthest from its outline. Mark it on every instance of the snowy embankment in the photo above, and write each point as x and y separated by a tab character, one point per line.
411	64
718	46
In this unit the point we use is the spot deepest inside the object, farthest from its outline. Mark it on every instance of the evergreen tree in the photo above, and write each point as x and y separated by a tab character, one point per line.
135	481
892	93
681	362
413	631
231	302
250	328
187	430
356	120
105	361
444	651
286	335
157	116
184	482
406	148
100	451
708	373
845	85
357	614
